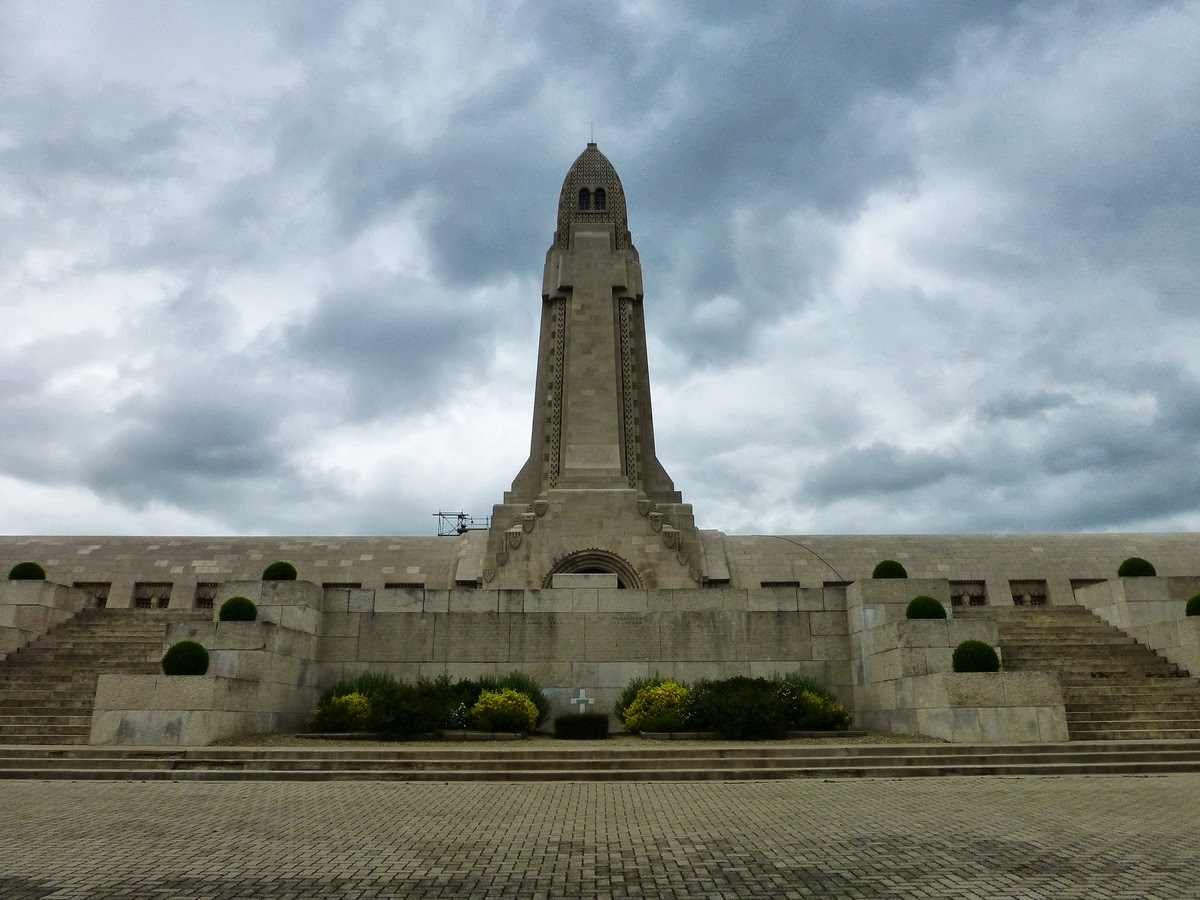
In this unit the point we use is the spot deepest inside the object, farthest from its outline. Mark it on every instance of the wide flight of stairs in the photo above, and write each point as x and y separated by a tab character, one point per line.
47	688
1113	687
624	760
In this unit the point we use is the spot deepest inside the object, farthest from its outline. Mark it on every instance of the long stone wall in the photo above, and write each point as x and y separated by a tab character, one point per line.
186	564
583	638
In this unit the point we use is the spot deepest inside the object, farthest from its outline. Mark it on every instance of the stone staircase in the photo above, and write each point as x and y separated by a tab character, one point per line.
618	760
47	687
1114	688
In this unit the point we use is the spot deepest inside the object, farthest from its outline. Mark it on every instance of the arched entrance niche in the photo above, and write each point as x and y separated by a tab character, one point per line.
594	562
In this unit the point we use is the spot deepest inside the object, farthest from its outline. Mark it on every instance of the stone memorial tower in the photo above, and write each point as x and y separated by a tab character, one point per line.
593	497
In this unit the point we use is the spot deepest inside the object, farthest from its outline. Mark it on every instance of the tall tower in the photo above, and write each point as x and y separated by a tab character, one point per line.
592	497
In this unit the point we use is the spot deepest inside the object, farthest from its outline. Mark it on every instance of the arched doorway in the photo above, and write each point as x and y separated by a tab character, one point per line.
596	562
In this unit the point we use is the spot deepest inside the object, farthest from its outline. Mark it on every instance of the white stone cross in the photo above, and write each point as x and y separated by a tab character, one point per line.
583	701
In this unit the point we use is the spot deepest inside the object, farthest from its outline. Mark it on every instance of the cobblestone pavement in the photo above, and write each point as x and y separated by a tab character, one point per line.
1040	837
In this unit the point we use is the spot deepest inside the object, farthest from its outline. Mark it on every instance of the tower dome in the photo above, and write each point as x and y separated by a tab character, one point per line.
592	194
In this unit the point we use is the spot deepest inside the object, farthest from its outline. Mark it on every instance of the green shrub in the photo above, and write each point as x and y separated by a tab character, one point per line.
504	710
347	712
238	609
737	708
402	710
802	683
1193	606
657	707
924	607
279	571
185	658
1136	567
369	684
524	684
27	571
808	706
631	691
888	568
581	726
975	656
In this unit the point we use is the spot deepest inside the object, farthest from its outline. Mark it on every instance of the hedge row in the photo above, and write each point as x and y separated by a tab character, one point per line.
378	702
738	708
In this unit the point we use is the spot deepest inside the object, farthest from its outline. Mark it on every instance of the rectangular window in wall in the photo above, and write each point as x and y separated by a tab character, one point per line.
206	594
1028	592
968	593
779	584
98	590
341	585
152	594
393	585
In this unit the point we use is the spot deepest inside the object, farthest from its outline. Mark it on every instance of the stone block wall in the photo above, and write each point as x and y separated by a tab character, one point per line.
968	707
28	609
1151	610
591	638
903	678
262	677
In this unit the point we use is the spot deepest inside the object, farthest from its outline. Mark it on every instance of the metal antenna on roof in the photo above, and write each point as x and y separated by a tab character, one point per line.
592	131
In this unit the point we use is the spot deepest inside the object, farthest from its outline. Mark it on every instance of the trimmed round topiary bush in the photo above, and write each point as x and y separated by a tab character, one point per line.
27	571
1193	606
889	568
975	656
279	571
238	609
923	606
1136	567
185	658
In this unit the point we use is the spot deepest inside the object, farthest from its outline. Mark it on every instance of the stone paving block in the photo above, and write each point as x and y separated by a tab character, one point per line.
1043	838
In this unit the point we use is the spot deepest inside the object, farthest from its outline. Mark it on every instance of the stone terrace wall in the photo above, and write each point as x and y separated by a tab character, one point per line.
594	639
805	560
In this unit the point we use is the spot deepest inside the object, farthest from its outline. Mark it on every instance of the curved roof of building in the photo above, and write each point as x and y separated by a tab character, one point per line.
592	170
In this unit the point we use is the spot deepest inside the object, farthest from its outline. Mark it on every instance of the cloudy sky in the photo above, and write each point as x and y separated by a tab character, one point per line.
909	267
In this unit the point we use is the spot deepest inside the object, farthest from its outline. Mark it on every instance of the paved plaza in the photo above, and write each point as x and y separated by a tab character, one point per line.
1040	837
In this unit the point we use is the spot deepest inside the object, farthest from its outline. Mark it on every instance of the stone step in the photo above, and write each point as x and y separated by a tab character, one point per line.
78	660
1118	705
753	761
1077	651
42	648
65	705
1071	614
48	734
52	680
44	720
43	739
1077	727
1136	734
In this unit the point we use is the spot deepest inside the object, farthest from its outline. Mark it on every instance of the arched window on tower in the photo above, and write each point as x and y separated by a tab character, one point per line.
585	199
600	199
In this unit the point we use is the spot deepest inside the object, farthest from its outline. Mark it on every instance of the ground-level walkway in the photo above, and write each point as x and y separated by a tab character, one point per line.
1035	837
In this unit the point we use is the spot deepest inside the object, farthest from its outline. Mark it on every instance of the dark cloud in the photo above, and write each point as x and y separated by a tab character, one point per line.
879	469
925	267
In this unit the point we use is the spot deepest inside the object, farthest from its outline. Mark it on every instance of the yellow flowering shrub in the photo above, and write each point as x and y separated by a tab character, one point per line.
348	712
504	710
657	708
